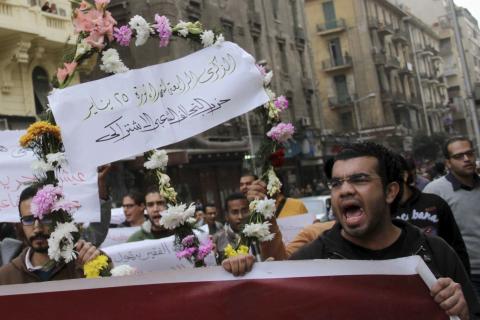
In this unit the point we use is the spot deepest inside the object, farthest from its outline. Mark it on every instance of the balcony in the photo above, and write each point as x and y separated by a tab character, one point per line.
373	23
401	36
385	29
399	99
340	63
299	37
406	69
21	18
340	102
392	63
379	58
331	27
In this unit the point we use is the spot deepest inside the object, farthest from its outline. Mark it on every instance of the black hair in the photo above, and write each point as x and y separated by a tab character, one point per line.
210	204
27	193
389	168
232	197
407	165
328	166
446	154
249	174
151	189
137	196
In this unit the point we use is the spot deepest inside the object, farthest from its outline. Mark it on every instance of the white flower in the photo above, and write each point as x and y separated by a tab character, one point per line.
271	95
82	48
260	231
274	184
40	167
268	78
111	62
158	160
57	159
163	179
123	270
220	40
207	37
266	207
175	216
192	221
142	29
60	243
182	28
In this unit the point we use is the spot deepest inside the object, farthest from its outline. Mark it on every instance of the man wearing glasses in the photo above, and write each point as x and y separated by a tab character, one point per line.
151	229
365	190
33	263
460	188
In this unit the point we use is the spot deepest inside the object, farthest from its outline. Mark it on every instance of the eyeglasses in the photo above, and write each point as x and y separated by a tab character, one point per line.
30	220
128	205
459	156
158	203
356	180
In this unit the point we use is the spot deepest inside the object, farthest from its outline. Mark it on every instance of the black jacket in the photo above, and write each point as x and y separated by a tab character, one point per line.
433	215
437	254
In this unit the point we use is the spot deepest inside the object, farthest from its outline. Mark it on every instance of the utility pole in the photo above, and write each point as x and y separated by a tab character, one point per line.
466	74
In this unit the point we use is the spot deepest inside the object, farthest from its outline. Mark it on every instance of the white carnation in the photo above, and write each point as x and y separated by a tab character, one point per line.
123	270
40	168
158	160
271	95
207	37
182	28
111	62
266	207
260	231
274	184
142	29
176	216
220	40
267	78
60	242
57	159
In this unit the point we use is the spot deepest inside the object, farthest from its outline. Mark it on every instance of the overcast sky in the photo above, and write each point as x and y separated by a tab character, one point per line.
472	5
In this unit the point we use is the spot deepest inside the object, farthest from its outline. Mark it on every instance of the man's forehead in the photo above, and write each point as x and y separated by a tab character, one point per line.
247	178
459	146
25	207
355	165
153	196
238	203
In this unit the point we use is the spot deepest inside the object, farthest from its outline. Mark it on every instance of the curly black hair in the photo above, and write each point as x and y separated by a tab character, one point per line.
389	167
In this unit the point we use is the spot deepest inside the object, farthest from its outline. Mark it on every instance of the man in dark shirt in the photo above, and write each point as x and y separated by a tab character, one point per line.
430	213
365	188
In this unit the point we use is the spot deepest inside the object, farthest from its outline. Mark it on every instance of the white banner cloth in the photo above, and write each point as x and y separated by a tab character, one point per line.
129	113
16	174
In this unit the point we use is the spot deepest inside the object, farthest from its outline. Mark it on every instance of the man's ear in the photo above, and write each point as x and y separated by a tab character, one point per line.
392	191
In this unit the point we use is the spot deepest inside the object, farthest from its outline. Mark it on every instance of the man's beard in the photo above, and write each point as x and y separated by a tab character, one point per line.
40	236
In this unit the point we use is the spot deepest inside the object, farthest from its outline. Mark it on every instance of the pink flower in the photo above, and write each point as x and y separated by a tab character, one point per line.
84	5
262	70
281	103
186	253
96	23
163	28
204	250
123	35
101	4
188	241
68	70
64	205
44	200
281	132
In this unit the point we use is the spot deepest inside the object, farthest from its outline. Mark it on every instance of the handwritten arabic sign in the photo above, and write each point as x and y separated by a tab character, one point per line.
16	174
133	112
152	255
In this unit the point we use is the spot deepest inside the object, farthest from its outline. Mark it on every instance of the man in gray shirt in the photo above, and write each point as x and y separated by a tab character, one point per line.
461	189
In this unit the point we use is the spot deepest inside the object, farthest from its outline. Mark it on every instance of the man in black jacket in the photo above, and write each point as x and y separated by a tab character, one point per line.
430	213
365	189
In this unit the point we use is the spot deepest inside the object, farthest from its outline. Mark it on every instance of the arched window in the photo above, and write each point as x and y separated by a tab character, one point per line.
41	87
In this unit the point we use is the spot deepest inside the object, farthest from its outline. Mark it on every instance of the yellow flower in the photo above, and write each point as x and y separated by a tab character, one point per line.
37	129
92	268
230	252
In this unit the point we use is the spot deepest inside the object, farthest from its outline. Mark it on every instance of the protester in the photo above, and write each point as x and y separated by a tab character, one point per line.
430	213
151	229
366	188
133	204
246	180
199	214
210	219
237	213
460	188
34	264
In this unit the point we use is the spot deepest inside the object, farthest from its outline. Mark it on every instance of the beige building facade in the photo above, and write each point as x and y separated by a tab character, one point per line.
32	44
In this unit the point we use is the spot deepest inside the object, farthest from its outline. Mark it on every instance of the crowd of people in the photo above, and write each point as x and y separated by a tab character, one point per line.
380	213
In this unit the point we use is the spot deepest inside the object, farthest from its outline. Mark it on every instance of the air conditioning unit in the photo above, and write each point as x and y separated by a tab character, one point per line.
305	121
3	124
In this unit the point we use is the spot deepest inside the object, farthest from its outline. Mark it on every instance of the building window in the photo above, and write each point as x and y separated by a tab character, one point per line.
329	15
41	87
341	88
275	9
283	56
302	62
227	30
346	121
257	47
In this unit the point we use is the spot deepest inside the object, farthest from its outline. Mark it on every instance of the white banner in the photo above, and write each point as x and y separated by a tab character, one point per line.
291	226
133	112
16	174
118	236
153	255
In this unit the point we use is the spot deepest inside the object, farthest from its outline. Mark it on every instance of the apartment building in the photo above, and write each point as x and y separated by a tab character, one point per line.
367	72
32	43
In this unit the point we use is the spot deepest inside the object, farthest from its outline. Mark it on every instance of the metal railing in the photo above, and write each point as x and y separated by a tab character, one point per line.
331	25
344	61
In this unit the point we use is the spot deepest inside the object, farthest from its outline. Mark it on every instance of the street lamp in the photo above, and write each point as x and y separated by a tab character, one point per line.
355	108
